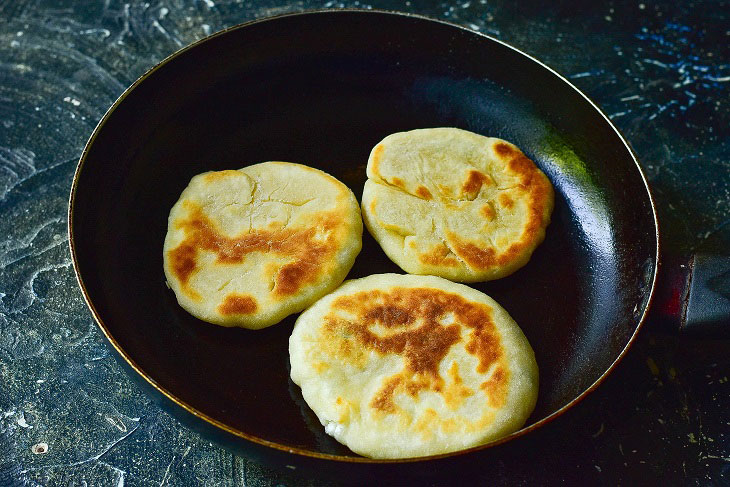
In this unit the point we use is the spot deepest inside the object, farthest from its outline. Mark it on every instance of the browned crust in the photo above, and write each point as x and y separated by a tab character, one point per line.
474	182
383	400
539	193
423	192
495	387
309	255
440	255
406	322
183	265
456	392
238	304
506	201
375	158
504	150
396	181
214	176
488	212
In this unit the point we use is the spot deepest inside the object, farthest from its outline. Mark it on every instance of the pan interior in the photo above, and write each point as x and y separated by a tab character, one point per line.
322	90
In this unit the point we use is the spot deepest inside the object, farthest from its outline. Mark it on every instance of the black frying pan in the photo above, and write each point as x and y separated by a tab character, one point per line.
321	89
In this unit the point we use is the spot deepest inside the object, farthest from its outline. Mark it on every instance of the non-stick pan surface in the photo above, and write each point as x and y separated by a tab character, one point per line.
321	89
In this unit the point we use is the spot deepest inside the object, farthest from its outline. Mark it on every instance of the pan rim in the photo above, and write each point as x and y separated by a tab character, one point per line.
308	453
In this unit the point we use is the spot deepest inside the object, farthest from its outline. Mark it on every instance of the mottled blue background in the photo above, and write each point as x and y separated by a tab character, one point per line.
69	415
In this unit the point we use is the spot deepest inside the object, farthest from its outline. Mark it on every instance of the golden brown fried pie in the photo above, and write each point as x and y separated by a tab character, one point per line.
455	204
398	366
248	247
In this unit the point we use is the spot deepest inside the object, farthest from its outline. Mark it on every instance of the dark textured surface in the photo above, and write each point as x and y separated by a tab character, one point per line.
659	70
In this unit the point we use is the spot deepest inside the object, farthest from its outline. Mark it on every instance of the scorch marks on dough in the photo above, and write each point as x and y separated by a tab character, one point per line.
421	326
307	251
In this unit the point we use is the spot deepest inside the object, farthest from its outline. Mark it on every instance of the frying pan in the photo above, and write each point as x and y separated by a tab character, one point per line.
322	88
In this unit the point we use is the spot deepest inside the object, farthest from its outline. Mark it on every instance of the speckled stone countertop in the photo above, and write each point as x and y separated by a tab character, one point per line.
70	416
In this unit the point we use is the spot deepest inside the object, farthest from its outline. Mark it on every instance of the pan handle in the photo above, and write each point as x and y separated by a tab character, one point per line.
693	294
